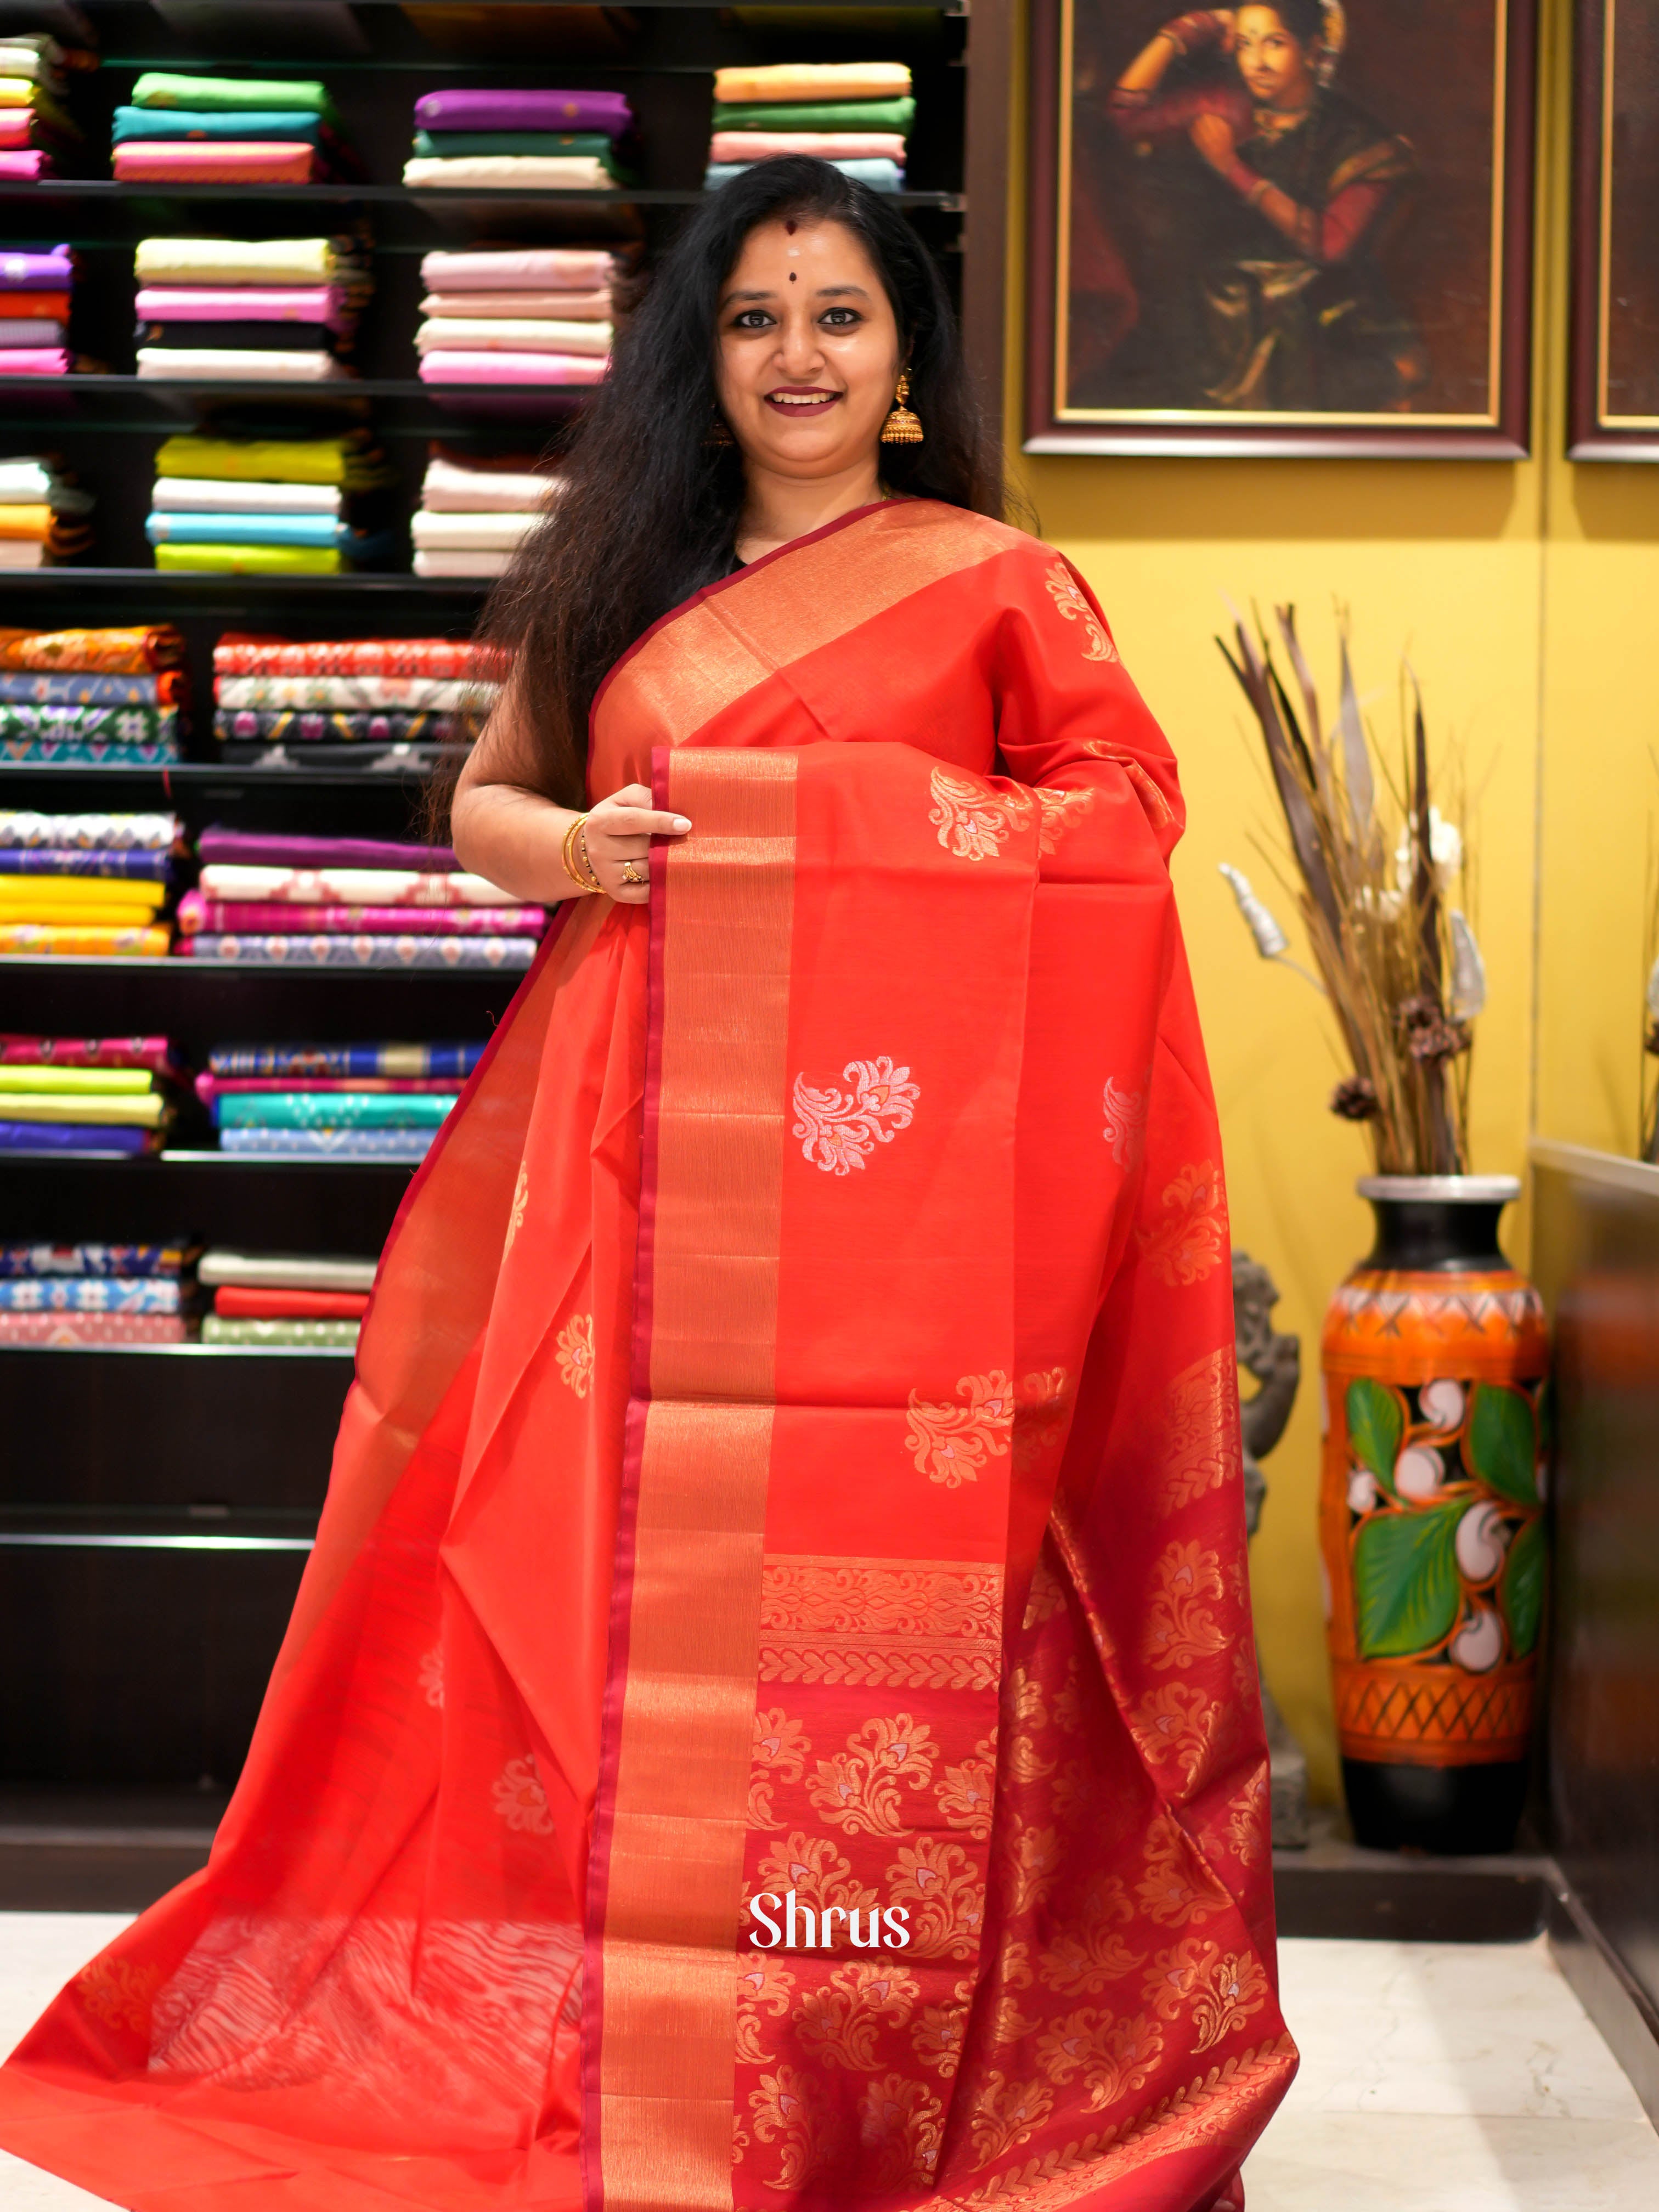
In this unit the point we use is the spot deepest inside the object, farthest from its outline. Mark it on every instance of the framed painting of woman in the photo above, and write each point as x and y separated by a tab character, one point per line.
1290	228
1614	390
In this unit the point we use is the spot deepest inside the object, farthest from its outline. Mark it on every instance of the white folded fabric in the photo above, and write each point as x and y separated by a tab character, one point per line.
474	533
23	61
448	563
524	173
223	496
449	487
22	553
284	1271
28	481
303	887
438	695
237	364
237	261
468	334
566	306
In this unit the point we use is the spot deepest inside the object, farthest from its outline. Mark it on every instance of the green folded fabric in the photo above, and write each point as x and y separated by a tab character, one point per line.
216	1329
253	560
332	1109
436	146
224	94
829	115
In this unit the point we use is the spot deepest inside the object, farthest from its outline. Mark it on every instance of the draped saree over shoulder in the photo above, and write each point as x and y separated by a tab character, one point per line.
770	1719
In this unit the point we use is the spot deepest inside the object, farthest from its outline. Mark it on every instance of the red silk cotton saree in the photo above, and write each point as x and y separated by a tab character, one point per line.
770	1719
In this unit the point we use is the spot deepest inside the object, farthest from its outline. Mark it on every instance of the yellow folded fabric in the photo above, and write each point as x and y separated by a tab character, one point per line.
83	942
105	1082
33	522
36	892
16	92
817	80
68	916
135	1112
235	261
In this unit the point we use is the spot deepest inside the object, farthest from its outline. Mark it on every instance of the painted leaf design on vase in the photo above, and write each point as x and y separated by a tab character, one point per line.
1406	1581
1523	1587
1502	1441
1376	1422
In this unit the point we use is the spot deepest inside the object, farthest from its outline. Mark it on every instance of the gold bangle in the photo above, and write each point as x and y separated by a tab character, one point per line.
583	876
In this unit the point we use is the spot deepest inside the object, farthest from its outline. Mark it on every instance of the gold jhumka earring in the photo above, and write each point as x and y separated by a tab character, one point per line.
718	434
902	428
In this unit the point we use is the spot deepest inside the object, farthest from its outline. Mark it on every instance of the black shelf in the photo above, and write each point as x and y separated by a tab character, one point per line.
72	581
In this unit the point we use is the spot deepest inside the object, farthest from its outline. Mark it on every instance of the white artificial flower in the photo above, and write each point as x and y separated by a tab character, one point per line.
1445	850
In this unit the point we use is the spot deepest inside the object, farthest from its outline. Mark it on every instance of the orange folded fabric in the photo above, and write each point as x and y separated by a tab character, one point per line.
26	522
177	161
244	1304
94	651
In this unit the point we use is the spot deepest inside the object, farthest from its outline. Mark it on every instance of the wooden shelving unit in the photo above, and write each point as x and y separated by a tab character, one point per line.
108	1446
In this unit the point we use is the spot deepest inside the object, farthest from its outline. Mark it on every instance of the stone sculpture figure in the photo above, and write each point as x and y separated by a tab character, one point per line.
1274	1359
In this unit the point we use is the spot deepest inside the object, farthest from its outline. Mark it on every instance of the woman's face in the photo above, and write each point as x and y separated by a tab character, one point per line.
808	350
1273	64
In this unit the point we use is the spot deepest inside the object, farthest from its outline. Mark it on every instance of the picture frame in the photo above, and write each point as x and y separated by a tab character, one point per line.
1613	398
1328	256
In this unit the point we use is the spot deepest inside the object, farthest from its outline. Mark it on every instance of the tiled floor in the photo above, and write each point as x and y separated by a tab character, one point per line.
1435	2077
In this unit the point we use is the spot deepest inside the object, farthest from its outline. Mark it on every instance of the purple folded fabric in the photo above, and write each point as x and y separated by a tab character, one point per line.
71	1136
36	272
248	848
510	110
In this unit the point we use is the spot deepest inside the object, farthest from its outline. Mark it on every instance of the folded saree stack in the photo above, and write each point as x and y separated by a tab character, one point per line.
84	1094
284	1298
276	310
539	315
517	138
361	1102
91	884
349	902
43	516
474	514
266	506
220	130
368	691
73	1294
855	114
92	698
36	288
35	123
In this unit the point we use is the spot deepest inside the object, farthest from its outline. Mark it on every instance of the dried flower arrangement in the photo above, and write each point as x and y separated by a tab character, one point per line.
1374	864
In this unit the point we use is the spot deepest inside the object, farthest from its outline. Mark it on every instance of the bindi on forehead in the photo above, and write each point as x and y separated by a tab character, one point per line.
789	229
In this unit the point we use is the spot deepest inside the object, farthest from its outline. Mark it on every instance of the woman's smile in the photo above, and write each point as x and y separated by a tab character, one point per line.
801	399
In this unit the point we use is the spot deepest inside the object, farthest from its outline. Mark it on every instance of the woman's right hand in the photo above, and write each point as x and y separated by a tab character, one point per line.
617	833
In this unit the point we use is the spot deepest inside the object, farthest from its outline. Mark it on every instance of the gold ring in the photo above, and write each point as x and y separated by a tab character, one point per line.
630	874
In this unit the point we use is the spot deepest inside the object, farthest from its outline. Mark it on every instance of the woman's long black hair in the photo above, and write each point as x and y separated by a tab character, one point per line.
650	508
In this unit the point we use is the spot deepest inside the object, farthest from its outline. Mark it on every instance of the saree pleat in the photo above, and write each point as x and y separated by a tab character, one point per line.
791	1484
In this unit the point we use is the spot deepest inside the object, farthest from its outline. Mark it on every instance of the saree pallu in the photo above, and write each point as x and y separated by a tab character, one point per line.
791	1483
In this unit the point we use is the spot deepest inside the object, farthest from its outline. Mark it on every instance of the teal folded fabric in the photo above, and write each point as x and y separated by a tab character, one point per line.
248	530
229	94
238	124
330	1109
880	176
435	145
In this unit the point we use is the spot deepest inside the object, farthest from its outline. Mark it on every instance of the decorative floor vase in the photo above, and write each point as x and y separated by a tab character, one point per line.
1435	1353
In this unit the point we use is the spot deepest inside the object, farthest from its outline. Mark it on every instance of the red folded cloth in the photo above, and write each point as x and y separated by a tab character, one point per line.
185	162
289	1305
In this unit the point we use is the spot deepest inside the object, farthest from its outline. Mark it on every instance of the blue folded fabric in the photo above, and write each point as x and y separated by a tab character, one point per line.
881	176
250	127
248	530
405	1145
71	1136
82	861
20	687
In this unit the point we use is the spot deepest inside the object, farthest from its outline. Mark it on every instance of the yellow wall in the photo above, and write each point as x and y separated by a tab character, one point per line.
1524	594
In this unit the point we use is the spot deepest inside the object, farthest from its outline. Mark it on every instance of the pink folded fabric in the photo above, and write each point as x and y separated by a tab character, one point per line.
246	917
557	267
180	161
17	125
512	368
825	145
561	306
242	303
36	360
24	168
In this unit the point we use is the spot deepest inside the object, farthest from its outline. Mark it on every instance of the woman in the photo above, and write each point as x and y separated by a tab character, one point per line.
771	1718
1264	289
